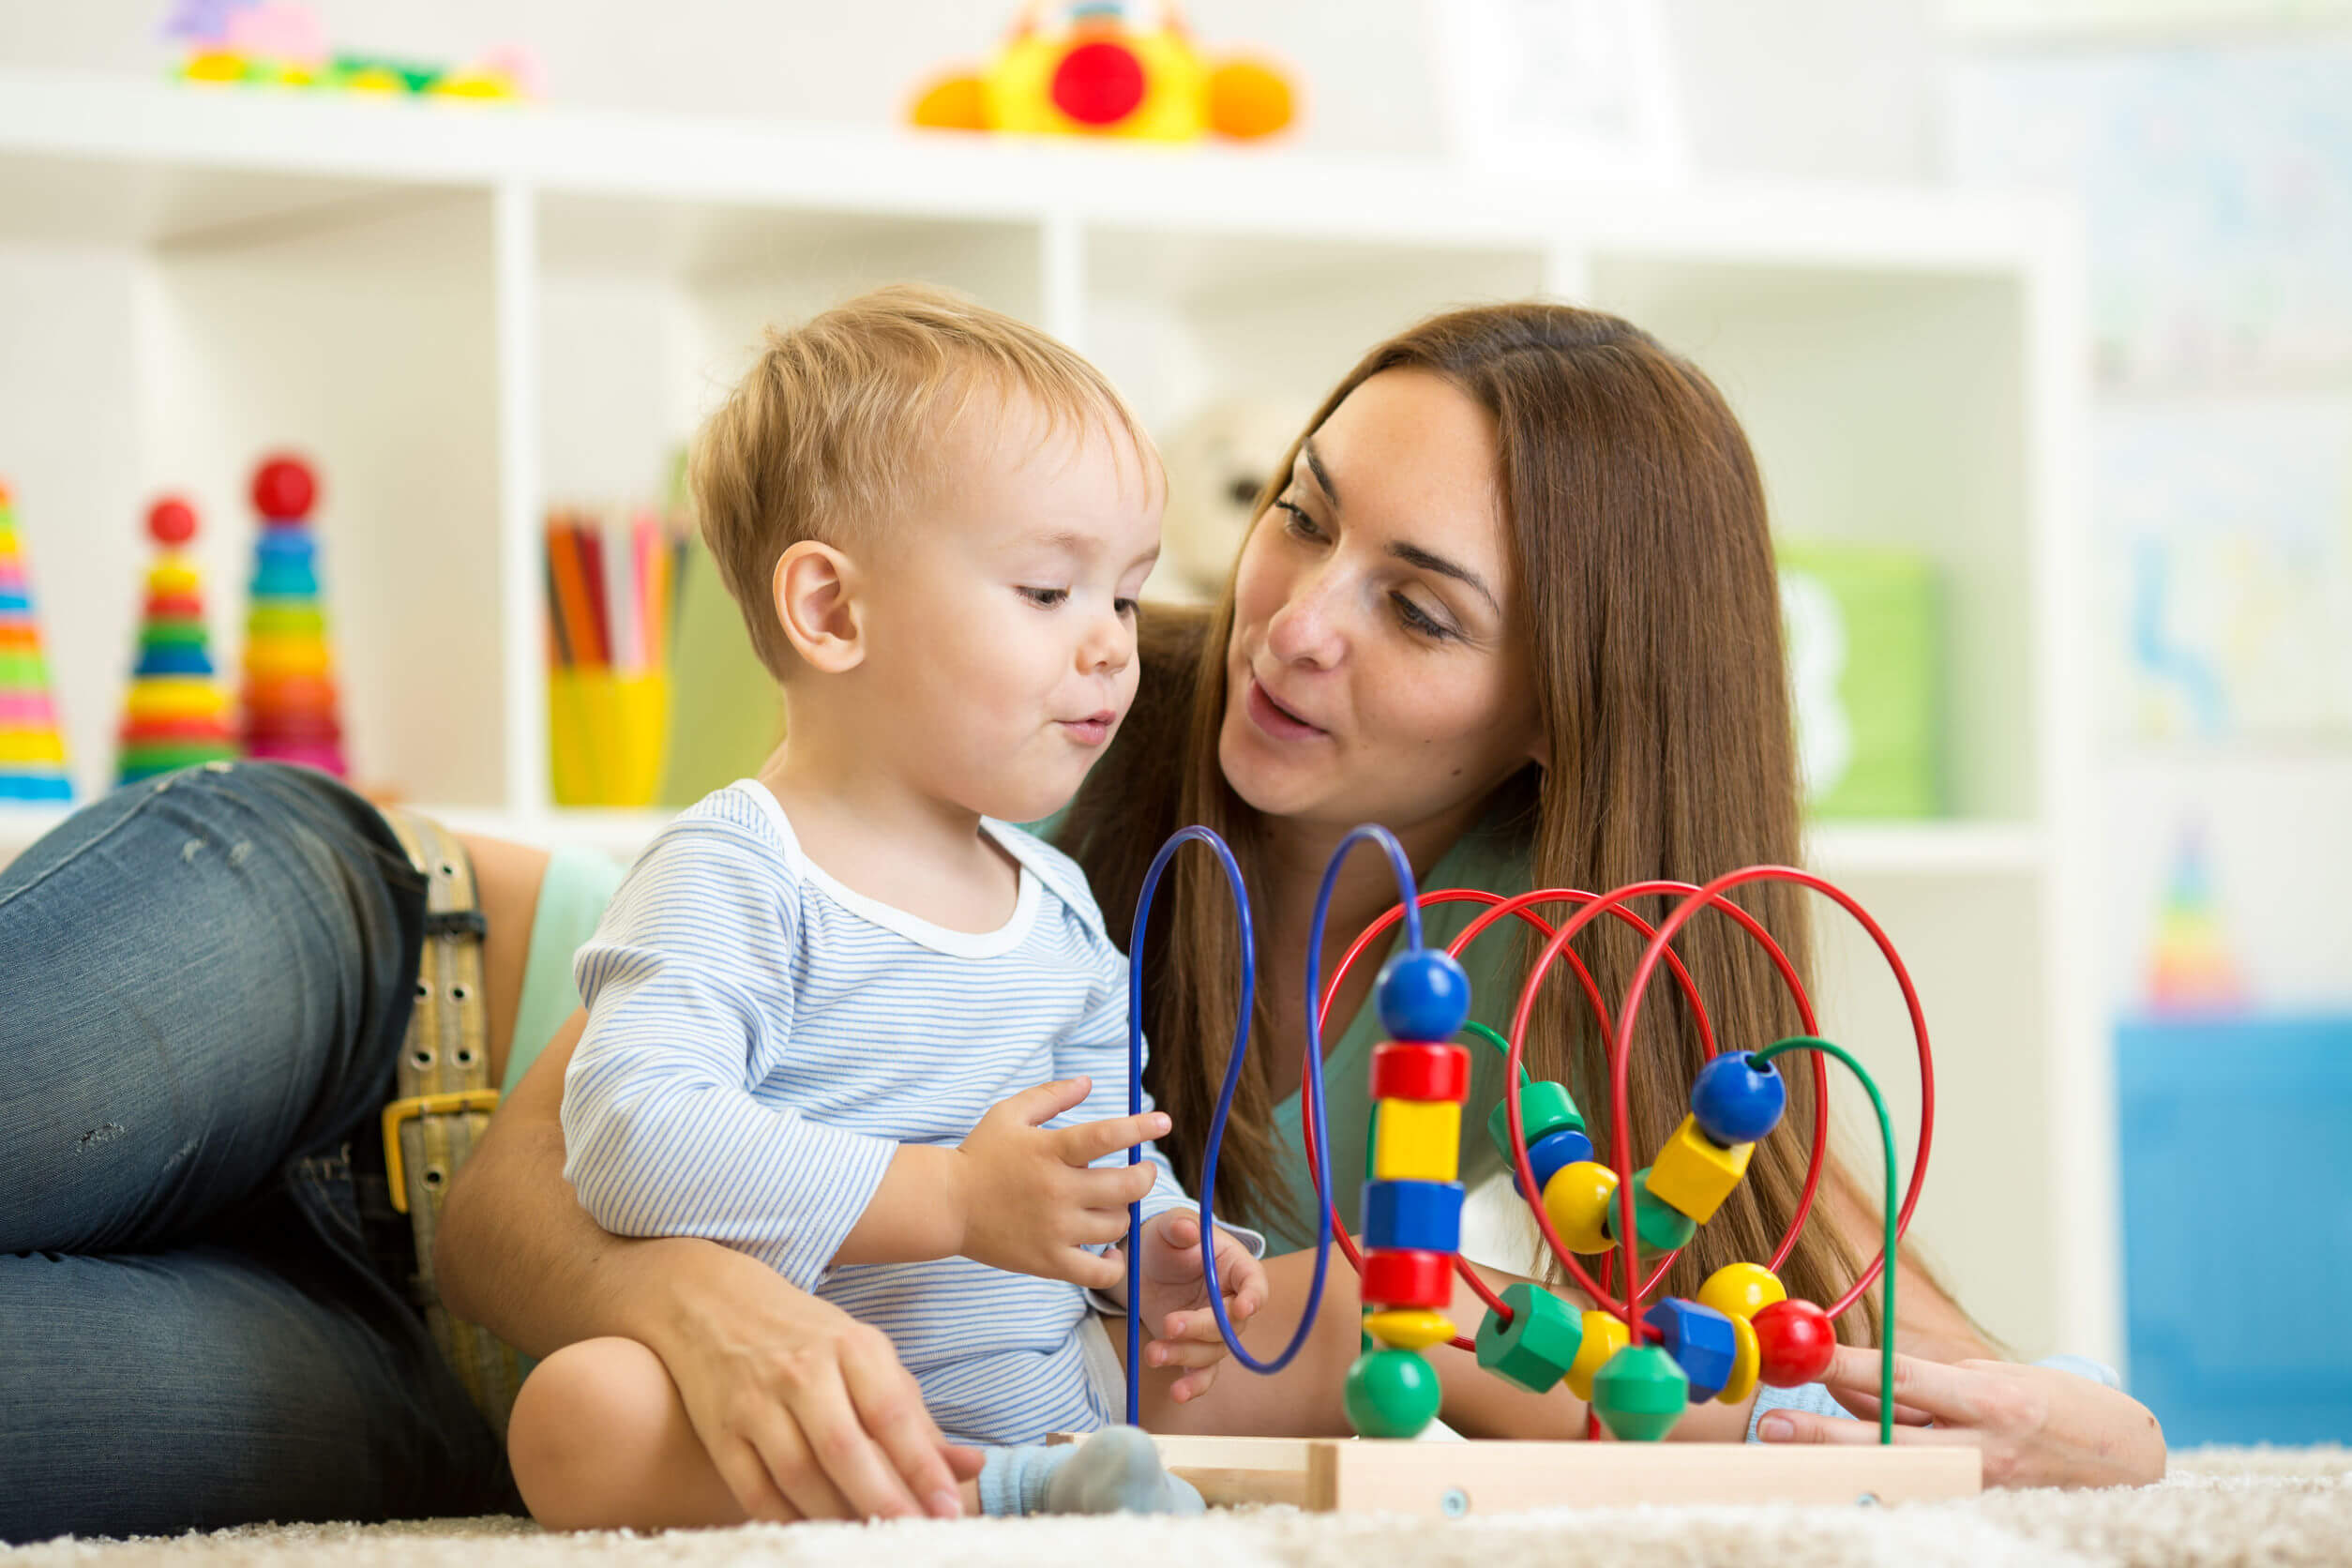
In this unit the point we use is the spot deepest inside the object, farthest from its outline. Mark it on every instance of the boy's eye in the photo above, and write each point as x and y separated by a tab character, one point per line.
1124	607
1043	599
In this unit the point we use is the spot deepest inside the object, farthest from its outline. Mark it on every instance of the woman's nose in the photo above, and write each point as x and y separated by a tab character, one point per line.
1306	629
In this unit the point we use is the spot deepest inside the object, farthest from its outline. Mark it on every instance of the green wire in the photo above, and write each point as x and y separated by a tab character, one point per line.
1499	1044
1886	1134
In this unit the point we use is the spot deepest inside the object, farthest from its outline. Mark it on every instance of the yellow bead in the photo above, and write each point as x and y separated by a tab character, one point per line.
1603	1337
1741	1290
157	697
1417	1141
173	576
286	655
1744	1358
1409	1330
1693	1176
1577	1198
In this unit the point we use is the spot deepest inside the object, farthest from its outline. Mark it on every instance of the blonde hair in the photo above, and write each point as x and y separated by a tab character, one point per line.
827	431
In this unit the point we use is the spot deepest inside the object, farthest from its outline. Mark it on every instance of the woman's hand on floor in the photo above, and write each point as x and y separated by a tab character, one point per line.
806	1411
2037	1426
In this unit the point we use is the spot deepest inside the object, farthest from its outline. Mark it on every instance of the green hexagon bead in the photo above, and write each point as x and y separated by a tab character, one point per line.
1391	1394
1639	1394
1661	1227
1540	1344
1543	1107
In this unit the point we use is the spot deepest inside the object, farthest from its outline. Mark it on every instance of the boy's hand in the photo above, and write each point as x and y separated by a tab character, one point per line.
1028	1202
1176	1298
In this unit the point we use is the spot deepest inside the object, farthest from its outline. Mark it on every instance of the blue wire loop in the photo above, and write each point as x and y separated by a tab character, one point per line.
1409	895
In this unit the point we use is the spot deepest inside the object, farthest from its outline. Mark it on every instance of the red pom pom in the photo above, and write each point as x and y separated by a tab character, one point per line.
1098	84
283	489
170	522
1794	1343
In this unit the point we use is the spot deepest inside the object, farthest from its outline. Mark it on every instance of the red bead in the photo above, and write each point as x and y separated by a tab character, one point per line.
1402	1278
174	606
1098	84
1794	1343
283	489
1420	1072
170	522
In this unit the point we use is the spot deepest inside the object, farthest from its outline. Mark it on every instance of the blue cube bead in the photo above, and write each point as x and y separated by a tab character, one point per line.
1413	1217
1700	1340
1735	1102
1423	995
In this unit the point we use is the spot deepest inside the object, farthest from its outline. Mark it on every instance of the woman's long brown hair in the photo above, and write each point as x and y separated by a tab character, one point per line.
1650	612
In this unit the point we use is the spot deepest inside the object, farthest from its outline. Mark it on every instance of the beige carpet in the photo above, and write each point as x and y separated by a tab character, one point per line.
2234	1506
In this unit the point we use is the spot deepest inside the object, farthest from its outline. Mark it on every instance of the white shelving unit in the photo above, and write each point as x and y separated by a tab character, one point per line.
464	312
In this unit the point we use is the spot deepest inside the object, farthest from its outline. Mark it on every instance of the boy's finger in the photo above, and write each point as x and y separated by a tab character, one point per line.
1096	1274
1044	1102
1112	1186
1186	1354
1090	1142
1099	1227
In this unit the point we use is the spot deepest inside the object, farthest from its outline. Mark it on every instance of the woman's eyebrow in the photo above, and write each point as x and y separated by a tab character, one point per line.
1322	476
1413	555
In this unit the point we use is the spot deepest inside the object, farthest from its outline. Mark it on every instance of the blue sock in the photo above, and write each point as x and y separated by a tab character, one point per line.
1115	1470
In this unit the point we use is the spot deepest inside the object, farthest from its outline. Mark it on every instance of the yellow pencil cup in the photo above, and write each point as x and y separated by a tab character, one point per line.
605	735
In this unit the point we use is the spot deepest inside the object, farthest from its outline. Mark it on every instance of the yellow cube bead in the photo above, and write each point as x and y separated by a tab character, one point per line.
1693	1175
1741	1290
1417	1141
1409	1330
1745	1359
1603	1337
1577	1198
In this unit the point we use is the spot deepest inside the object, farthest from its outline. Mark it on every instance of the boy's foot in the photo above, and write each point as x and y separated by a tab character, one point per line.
1118	1470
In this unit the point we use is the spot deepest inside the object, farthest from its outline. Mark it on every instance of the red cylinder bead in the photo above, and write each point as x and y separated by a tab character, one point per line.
1402	1278
1794	1343
1402	1071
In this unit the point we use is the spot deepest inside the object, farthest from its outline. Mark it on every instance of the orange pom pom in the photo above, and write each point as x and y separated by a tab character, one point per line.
951	104
1248	98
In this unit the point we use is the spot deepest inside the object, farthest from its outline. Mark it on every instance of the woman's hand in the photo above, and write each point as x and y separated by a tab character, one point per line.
2038	1426
1176	1297
805	1410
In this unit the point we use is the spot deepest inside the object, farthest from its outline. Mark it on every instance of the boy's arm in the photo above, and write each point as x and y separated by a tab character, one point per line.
662	1134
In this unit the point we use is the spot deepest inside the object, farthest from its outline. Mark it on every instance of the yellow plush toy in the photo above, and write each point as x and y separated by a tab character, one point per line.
1109	68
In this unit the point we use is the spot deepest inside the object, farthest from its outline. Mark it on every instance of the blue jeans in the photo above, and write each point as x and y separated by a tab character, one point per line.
205	1315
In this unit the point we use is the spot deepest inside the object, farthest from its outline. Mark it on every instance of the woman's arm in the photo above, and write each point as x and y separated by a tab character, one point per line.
798	1403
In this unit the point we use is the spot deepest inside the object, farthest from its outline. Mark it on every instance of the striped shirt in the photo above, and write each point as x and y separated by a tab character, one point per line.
761	1039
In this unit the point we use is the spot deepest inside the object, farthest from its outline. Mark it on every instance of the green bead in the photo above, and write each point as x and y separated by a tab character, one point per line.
1543	1108
277	620
1540	1344
1640	1392
172	632
1391	1394
1661	1226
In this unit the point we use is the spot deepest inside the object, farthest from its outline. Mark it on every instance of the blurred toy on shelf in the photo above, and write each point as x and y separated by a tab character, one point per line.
2191	968
280	43
1109	67
176	714
611	606
1218	464
32	749
1865	666
290	697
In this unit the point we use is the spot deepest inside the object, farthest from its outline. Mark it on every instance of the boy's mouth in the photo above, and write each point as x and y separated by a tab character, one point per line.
1092	730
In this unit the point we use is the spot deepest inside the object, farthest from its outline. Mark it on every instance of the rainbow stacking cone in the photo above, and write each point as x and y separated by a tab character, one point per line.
176	714
289	675
2191	970
31	752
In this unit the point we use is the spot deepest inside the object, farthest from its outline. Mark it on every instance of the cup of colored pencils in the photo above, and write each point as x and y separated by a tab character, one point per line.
611	581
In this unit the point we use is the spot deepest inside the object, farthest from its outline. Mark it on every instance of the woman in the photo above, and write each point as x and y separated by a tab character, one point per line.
1514	598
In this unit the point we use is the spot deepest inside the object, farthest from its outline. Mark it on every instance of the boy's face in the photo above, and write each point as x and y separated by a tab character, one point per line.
1001	611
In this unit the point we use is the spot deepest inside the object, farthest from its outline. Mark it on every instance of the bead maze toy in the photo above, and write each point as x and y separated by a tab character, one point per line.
1637	1367
32	749
289	697
176	714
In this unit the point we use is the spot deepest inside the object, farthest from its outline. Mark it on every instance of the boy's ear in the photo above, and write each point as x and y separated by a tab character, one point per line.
814	593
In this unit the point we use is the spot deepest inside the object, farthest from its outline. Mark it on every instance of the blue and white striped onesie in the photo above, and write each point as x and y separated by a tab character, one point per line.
760	1040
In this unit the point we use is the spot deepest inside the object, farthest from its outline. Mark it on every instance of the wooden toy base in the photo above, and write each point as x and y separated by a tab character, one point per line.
1447	1480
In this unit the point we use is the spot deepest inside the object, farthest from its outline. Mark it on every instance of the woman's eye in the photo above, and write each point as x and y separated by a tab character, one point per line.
1299	524
1045	599
1419	620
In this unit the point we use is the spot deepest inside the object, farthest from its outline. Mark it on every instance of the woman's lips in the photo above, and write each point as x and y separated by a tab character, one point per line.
1275	721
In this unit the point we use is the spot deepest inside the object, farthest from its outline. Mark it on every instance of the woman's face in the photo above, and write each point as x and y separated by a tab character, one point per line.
1374	673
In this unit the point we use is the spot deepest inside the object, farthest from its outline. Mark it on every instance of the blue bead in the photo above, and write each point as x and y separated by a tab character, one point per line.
1415	1216
1550	1154
1700	1340
168	661
1423	995
1734	1102
285	546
